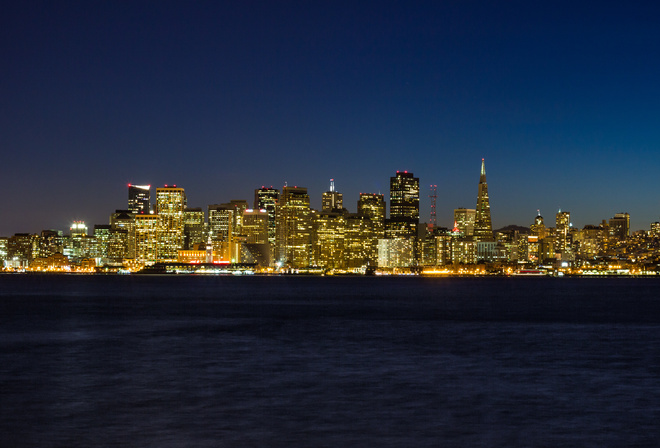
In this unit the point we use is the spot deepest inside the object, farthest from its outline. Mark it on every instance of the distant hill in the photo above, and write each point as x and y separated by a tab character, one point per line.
513	228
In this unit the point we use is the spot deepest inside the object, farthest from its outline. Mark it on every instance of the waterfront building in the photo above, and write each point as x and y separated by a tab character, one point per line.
332	200
360	241
463	250
139	198
267	199
146	238
102	234
396	253
22	248
328	240
483	227
171	202
464	219
194	227
404	206
294	228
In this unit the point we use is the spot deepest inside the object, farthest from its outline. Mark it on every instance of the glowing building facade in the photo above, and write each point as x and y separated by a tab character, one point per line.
294	228
146	238
171	202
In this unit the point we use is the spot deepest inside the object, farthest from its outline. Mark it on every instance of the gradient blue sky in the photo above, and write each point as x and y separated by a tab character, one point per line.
561	98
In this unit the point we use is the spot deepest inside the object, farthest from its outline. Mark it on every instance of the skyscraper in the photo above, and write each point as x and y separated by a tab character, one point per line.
372	205
332	200
404	205
267	199
620	226
171	202
139	198
483	227
294	228
562	231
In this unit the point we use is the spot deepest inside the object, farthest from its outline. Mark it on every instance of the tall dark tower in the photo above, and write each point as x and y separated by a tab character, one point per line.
483	227
139	198
404	205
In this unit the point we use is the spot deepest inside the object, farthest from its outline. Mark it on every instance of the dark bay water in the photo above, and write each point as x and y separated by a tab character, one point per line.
310	361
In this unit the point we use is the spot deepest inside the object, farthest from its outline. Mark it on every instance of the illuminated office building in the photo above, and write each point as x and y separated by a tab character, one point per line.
102	234
146	231
372	205
139	198
620	226
221	229
538	228
464	219
562	231
267	199
328	240
483	227
239	206
360	241
3	250
294	228
194	229
171	202
404	206
124	220
396	253
332	200
255	226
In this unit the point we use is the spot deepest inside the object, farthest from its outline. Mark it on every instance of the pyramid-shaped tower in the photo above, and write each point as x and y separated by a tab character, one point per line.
483	227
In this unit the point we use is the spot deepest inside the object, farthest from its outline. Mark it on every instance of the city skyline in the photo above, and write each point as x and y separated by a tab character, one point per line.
560	99
142	193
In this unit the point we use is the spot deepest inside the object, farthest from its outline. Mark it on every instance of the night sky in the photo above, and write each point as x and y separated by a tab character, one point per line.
562	99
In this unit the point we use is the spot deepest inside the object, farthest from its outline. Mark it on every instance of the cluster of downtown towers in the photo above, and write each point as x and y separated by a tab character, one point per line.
280	229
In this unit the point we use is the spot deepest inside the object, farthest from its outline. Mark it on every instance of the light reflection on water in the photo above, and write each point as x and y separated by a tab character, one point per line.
328	362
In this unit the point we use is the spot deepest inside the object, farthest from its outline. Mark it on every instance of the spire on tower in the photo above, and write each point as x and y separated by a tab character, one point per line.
332	185
483	171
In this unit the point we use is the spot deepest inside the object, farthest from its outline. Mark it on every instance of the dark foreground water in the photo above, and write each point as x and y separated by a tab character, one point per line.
328	362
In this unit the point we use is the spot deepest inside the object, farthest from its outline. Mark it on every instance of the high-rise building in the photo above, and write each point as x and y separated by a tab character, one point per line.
328	240
562	231
267	199
360	241
124	220
139	198
620	226
464	219
194	230
483	227
332	200
171	202
538	228
221	229
294	228
146	238
255	226
404	205
372	205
